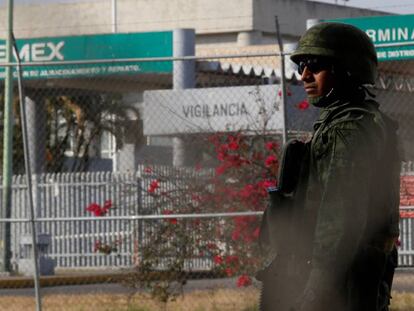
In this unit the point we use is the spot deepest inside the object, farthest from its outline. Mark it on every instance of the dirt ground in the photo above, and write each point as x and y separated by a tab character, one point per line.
404	280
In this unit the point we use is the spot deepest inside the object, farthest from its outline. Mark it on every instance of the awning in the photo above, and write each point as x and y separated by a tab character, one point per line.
256	60
248	70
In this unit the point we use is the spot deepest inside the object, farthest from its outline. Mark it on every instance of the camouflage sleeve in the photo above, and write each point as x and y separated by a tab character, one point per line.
344	170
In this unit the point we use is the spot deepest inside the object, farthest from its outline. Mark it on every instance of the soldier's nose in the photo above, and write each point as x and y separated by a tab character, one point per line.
306	74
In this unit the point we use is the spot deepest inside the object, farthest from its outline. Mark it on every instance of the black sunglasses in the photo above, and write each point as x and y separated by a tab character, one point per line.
314	65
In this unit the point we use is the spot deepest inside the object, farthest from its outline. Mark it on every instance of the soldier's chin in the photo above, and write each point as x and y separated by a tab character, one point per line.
316	101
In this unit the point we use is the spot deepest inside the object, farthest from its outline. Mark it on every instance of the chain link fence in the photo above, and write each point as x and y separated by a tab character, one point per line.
149	176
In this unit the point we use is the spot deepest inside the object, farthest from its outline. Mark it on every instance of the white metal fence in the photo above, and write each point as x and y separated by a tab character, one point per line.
406	249
66	196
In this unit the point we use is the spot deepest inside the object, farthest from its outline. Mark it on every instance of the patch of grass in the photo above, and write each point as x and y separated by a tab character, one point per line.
402	301
204	300
254	307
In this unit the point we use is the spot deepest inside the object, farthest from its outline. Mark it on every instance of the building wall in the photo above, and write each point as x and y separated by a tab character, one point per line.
212	16
243	22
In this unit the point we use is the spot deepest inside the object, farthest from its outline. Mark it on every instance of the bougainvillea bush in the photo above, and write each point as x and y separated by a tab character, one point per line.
244	165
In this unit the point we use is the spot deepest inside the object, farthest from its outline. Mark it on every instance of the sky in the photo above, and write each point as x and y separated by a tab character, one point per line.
393	6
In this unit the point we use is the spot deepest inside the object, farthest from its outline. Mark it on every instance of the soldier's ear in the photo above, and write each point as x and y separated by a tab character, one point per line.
341	73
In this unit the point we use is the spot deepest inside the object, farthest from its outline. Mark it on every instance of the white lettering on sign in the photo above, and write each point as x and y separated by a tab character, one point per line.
24	53
400	53
381	55
222	110
37	52
390	34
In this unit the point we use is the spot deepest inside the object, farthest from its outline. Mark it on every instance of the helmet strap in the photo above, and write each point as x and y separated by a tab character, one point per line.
324	100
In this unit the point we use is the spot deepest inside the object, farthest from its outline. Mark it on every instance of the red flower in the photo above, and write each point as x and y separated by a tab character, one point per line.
218	259
147	170
244	280
271	145
234	145
170	220
97	210
153	186
270	161
303	105
221	169
288	93
269	184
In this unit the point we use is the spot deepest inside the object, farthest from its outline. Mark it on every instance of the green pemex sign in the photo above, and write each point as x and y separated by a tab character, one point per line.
86	48
392	35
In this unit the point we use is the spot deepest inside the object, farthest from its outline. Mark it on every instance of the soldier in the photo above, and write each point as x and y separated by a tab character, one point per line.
333	222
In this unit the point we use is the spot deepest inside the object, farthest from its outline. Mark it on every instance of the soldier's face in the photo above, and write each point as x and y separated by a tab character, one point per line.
317	77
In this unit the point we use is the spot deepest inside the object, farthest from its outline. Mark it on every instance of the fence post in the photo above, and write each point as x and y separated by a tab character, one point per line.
7	147
183	78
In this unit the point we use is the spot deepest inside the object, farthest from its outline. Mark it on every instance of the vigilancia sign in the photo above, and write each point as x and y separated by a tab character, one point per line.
392	35
92	47
219	109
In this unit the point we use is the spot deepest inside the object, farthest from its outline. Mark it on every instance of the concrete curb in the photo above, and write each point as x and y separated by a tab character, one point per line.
57	280
14	282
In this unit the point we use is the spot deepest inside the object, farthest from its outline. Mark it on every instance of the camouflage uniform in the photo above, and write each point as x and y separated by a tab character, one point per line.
343	216
353	194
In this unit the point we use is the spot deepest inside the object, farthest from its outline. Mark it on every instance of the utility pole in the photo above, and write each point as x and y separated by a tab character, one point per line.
5	210
282	81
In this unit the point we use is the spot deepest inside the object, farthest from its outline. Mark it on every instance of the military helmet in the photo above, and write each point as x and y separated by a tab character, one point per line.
348	46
